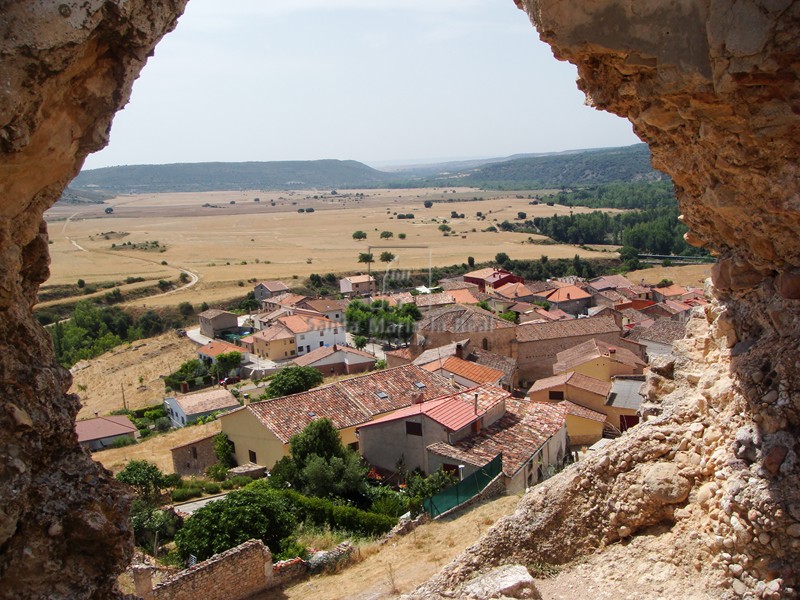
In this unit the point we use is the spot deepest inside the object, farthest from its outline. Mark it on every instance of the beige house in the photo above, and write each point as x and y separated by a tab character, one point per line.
267	289
261	431
584	425
599	359
358	285
276	342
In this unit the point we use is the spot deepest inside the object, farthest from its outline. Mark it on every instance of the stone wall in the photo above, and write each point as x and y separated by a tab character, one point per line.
231	575
535	359
195	457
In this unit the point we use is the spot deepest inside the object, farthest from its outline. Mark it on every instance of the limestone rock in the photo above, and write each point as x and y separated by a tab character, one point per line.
509	581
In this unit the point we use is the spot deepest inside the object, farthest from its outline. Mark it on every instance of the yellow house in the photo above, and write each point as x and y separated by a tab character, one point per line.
598	359
276	342
584	426
590	393
261	431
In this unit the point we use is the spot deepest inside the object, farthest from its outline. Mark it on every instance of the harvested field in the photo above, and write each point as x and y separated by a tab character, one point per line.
693	275
101	382
155	449
225	243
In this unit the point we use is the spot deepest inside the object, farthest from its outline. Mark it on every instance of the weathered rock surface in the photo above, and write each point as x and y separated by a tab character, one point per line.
713	87
66	68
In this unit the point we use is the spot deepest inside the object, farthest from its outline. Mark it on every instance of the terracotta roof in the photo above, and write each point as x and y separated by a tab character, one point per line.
437	299
453	411
633	315
286	299
612	295
567	293
208	400
496	361
531	332
407	353
325	351
678	307
98	428
573	379
440	352
217	347
576	410
513	291
463	296
461	319
671	290
519	434
213	312
323	305
481	273
390	300
539	287
359	278
457	283
610	282
277	331
472	371
274	286
569	359
349	402
305	323
664	331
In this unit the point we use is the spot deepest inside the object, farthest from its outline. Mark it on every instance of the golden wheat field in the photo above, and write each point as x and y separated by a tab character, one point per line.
223	238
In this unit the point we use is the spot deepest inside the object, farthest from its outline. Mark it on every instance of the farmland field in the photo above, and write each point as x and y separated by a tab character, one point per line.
223	238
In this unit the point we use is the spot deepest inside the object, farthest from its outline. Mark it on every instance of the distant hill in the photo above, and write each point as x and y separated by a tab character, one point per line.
75	196
199	177
587	167
574	168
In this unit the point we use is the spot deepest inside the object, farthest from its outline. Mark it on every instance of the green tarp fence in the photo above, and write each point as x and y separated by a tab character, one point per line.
463	490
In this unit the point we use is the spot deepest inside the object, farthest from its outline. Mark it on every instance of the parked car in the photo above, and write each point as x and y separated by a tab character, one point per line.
229	380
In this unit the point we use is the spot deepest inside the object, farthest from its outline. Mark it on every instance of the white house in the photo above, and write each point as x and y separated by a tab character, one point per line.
313	332
183	410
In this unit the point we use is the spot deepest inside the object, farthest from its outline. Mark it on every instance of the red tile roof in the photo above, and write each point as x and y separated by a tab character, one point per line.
573	379
349	402
671	290
285	299
461	319
98	428
274	286
569	359
208	400
519	434
472	371
323	305
217	347
326	351
567	293
531	332
360	278
306	323
610	282
276	331
463	296
576	410
512	291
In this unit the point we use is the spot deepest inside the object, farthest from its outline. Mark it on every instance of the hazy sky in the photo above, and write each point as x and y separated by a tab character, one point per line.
371	80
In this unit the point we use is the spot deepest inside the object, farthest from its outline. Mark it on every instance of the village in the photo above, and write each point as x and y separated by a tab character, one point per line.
495	381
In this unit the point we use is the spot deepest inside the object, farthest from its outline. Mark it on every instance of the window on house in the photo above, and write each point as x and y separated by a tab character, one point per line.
413	428
556	395
485	344
321	344
251	456
335	331
194	452
321	333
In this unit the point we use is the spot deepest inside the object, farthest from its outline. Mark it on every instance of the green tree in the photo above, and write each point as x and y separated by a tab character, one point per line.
471	261
223	449
501	258
444	228
185	308
152	527
227	362
427	204
366	257
244	514
292	380
484	305
508	316
360	342
144	477
359	235
81	283
387	257
402	236
385	235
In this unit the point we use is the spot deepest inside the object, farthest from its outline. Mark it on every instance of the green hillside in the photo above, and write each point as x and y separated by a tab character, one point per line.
198	177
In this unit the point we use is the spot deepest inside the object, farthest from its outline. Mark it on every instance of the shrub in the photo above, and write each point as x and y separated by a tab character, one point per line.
217	472
211	487
122	442
183	494
172	480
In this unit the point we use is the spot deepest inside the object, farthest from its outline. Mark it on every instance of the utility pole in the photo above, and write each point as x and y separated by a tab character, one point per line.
122	389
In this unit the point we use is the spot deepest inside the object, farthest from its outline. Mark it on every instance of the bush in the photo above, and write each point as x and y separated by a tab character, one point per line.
211	487
182	494
217	472
172	480
122	442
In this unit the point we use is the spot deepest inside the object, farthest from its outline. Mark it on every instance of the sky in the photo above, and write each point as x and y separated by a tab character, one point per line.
379	81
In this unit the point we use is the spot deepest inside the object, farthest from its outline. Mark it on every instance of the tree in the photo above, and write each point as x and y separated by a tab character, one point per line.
81	283
501	258
444	228
185	308
253	512
359	235
223	449
360	342
522	215
387	257
471	261
292	380
427	204
508	316
366	257
385	235
402	236
227	362
144	477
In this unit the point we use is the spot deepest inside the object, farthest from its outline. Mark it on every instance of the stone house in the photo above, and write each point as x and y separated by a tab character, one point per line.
448	324
571	299
358	285
261	431
268	289
215	321
537	344
193	458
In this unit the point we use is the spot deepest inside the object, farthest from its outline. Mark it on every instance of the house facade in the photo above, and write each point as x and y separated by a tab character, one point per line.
598	359
194	457
215	321
268	289
102	432
491	278
337	360
358	285
185	410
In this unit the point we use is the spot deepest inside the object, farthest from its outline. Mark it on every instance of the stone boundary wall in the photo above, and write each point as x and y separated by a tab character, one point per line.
496	487
235	574
288	571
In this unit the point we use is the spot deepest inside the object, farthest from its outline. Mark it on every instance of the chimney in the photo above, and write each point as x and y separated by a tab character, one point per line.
459	351
476	403
96	414
453	379
418	398
612	350
245	399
